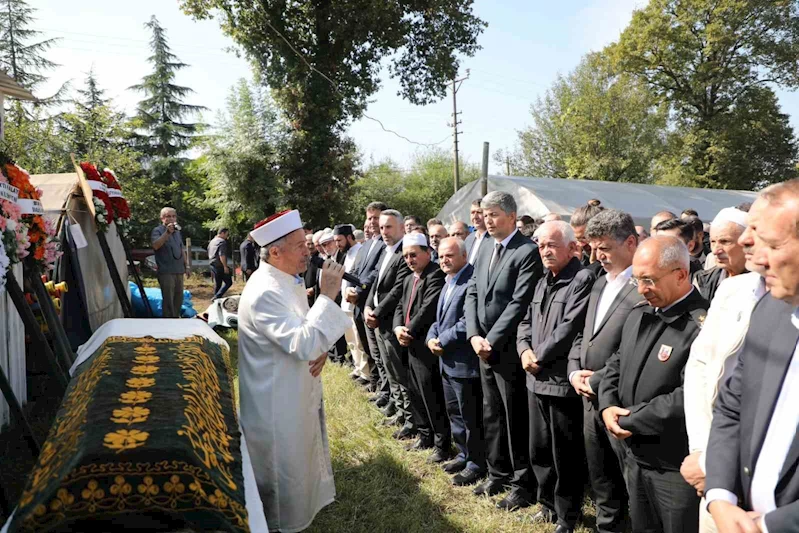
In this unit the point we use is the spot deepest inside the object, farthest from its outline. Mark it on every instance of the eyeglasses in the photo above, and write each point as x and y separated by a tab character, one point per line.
649	283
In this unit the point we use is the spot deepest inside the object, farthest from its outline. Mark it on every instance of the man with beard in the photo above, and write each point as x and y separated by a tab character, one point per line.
344	234
366	264
546	335
725	230
578	222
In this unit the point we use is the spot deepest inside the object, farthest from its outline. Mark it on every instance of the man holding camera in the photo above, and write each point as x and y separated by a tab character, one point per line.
172	261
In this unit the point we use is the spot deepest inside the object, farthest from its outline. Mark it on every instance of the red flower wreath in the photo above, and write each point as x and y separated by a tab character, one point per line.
121	207
93	175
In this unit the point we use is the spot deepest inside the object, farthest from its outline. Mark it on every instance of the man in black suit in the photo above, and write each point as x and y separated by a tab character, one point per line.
685	232
460	371
413	317
546	335
366	264
476	238
379	313
752	482
613	237
506	270
249	256
641	394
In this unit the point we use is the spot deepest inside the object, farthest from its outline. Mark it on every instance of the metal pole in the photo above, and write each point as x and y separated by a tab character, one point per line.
455	133
484	172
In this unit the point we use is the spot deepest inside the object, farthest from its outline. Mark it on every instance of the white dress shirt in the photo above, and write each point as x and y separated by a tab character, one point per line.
389	253
612	288
449	284
349	262
504	243
478	239
779	437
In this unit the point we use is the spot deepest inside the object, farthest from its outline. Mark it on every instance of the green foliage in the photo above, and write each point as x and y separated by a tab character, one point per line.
592	124
709	60
346	42
421	191
20	58
37	144
159	116
242	161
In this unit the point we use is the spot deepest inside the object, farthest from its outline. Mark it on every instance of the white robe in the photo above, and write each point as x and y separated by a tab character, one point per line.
282	413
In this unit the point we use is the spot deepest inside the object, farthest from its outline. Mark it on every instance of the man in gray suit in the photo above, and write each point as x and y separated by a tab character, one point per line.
752	480
613	237
506	270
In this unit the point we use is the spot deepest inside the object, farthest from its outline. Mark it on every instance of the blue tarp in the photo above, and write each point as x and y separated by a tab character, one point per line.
157	302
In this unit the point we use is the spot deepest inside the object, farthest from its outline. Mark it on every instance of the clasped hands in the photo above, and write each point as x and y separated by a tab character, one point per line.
579	381
730	518
403	335
611	417
369	318
530	362
434	345
481	347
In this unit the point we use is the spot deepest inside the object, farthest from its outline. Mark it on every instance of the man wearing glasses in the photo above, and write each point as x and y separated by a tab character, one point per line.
641	394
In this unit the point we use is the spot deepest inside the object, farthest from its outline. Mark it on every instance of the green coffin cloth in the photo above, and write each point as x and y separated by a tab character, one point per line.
146	439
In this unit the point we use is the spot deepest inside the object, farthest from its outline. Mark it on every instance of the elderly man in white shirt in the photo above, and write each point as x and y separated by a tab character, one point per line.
714	354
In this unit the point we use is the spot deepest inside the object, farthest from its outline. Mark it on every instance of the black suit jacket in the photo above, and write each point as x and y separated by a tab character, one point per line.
646	375
311	277
743	410
496	305
590	350
388	288
366	263
423	308
553	320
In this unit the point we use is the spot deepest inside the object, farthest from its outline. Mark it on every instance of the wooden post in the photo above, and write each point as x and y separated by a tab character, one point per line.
34	330
114	273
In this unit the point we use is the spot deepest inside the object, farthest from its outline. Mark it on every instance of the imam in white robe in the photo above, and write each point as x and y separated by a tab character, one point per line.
282	413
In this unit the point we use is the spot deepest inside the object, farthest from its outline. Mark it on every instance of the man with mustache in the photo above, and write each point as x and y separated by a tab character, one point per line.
546	335
713	358
725	230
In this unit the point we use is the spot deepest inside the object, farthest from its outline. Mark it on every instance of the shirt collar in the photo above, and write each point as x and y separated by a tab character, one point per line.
507	239
623	276
450	279
795	318
397	245
689	293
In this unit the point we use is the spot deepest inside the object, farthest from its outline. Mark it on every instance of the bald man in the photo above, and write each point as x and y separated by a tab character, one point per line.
659	217
641	395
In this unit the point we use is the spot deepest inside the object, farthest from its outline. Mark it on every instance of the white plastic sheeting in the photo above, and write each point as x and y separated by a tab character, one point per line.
538	196
12	348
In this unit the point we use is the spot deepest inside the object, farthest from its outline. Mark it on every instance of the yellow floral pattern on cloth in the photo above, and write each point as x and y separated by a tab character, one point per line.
207	487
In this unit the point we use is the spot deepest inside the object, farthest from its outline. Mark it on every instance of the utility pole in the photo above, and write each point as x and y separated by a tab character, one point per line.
456	83
484	171
507	164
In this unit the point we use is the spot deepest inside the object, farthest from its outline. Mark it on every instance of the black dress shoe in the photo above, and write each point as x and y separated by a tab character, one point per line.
404	433
544	516
439	456
488	488
396	420
467	476
454	466
383	402
389	410
564	529
517	499
419	445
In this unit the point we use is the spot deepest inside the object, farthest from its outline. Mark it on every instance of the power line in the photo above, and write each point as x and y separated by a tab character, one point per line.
335	88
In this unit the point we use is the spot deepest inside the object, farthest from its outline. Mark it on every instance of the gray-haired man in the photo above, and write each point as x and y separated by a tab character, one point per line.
172	262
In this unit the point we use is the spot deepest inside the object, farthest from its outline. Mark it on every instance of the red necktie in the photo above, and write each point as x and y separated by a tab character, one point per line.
410	302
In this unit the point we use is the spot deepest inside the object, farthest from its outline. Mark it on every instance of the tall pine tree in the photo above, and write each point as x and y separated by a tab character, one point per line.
162	135
160	115
20	58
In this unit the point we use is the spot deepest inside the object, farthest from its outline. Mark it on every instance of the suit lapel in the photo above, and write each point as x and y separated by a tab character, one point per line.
616	301
779	355
649	329
506	253
593	304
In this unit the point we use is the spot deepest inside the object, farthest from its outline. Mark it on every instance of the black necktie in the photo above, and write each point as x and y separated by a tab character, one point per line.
495	259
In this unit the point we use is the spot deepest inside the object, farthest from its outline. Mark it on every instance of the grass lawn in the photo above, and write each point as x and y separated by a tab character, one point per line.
382	488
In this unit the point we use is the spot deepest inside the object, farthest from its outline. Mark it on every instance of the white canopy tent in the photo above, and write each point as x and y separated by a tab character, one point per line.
539	196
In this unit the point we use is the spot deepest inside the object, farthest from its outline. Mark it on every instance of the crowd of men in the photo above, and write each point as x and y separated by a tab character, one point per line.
652	365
